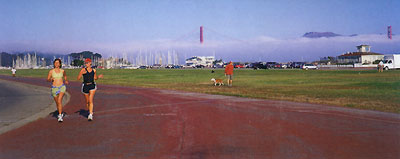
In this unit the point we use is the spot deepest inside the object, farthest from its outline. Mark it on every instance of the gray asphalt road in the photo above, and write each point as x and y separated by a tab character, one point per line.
19	101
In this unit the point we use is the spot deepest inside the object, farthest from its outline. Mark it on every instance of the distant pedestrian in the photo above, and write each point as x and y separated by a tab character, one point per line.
13	70
89	85
380	66
229	73
58	88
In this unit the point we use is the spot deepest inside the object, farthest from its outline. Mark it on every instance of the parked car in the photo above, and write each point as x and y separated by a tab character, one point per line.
132	67
177	66
187	67
309	66
278	65
296	64
199	66
143	67
259	65
271	65
239	66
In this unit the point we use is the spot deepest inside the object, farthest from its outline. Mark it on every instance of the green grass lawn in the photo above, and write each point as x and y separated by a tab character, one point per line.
349	88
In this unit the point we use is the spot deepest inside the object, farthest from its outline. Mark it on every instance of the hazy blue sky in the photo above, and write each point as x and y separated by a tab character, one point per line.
73	25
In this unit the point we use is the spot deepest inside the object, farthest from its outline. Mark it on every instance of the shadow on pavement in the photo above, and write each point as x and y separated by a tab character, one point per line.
83	112
55	114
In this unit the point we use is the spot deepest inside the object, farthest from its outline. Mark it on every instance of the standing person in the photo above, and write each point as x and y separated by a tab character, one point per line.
89	86
58	88
229	73
380	66
13	70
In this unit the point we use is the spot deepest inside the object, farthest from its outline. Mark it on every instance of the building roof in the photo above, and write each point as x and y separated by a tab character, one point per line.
360	54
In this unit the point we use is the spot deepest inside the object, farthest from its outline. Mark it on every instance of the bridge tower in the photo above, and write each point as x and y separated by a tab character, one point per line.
201	34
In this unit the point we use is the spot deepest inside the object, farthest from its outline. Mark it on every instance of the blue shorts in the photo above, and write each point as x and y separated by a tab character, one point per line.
55	91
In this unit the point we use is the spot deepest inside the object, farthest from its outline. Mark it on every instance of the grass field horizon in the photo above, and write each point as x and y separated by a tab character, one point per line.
362	89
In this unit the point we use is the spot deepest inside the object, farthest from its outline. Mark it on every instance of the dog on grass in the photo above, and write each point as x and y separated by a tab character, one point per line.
217	81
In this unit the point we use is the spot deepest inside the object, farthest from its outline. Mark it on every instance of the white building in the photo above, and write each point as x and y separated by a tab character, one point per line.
364	56
364	48
206	61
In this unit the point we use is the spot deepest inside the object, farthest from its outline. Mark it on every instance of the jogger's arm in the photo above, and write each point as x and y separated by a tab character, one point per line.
49	76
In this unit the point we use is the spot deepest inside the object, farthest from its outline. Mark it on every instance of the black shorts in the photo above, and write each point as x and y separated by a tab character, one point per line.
88	87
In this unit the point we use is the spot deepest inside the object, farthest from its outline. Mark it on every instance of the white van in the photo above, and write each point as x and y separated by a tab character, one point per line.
391	61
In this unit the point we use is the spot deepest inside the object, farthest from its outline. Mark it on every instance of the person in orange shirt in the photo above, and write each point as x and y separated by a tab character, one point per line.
229	73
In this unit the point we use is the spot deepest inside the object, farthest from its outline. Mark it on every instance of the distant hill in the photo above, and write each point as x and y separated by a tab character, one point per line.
85	54
6	59
320	34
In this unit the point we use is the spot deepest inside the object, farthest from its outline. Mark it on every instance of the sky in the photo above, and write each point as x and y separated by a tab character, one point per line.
233	29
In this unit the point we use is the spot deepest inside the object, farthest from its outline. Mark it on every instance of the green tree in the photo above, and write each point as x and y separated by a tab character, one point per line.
77	62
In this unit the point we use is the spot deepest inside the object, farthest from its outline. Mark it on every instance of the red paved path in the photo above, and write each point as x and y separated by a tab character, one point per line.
153	123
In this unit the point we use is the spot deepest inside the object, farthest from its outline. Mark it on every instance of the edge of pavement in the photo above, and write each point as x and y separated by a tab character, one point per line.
41	114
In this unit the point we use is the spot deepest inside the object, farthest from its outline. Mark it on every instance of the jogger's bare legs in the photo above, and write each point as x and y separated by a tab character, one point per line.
89	101
58	101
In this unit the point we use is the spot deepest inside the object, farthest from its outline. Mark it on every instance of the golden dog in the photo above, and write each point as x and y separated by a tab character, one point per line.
217	81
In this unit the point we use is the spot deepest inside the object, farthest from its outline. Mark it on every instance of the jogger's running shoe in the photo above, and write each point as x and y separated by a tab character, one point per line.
90	117
60	117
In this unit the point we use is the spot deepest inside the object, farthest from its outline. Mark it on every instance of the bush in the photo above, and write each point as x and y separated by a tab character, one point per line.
376	61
